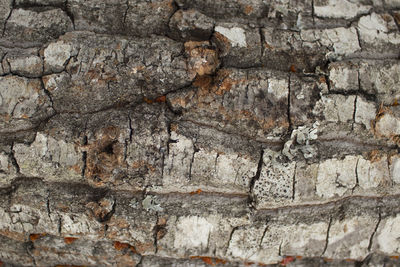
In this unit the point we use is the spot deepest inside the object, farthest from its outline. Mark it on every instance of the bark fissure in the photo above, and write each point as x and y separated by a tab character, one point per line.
254	179
14	161
371	239
294	183
8	17
357	179
327	236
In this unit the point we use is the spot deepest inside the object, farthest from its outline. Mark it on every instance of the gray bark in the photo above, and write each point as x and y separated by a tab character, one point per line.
197	133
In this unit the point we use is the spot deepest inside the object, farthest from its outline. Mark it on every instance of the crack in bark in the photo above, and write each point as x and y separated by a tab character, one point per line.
130	128
47	93
155	235
290	128
14	161
176	8
126	12
84	157
30	246
357	179
328	83
140	264
105	230
195	150
262	237
215	165
59	226
162	162
262	40
364	262
129	140
8	17
294	182
327	236
312	11
230	237
69	13
358	38
354	113
374	232
251	200
48	204
275	144
358	93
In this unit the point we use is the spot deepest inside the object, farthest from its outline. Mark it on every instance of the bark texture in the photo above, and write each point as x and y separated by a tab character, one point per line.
199	132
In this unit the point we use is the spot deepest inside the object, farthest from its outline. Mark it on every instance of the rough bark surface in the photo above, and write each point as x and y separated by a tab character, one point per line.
199	132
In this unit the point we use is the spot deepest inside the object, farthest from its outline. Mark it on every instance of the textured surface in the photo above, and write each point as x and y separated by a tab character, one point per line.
199	132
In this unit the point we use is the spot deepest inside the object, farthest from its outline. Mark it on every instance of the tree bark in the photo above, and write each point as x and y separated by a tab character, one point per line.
195	133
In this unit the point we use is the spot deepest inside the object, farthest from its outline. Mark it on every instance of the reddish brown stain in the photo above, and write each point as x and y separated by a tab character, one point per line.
210	260
248	9
220	261
207	260
197	192
69	240
287	260
161	99
120	246
34	237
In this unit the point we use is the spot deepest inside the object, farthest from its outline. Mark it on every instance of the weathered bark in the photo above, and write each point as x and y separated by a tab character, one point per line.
202	132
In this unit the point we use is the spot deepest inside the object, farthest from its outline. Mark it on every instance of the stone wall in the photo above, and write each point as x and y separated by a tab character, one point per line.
199	132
